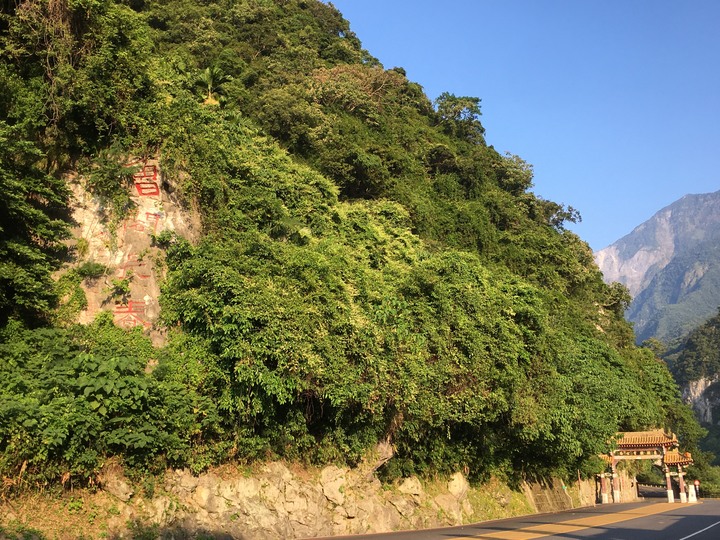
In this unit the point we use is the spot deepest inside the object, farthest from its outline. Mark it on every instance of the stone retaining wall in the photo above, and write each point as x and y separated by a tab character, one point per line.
275	502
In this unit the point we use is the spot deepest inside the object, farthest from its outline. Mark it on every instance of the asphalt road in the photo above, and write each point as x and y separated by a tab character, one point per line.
633	521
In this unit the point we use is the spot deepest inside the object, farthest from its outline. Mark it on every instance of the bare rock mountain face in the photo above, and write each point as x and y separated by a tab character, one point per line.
671	266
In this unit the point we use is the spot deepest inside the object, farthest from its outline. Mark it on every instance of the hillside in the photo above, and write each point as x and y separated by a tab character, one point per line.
671	266
695	363
327	262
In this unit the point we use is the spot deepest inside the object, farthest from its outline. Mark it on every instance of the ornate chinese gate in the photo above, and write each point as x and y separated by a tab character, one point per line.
654	445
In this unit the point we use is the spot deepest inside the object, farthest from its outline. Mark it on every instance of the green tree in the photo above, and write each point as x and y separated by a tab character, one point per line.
211	80
33	224
93	60
460	116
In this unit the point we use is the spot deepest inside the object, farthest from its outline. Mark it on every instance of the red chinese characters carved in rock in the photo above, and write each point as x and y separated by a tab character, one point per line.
145	181
130	315
148	224
138	267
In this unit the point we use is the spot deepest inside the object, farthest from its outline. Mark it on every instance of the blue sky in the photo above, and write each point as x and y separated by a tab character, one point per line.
616	103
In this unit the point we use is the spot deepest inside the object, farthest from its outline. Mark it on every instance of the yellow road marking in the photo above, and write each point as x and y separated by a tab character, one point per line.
573	525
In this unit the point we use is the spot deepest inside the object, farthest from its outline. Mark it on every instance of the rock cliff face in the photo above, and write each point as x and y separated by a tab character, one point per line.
126	249
702	396
671	266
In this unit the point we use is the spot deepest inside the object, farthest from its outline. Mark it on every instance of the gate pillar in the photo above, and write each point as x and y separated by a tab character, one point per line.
668	484
604	498
615	484
681	481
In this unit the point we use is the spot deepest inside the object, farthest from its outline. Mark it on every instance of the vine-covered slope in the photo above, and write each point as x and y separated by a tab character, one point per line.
369	269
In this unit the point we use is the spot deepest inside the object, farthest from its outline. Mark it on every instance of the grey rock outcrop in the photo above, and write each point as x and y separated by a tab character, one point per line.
113	481
697	395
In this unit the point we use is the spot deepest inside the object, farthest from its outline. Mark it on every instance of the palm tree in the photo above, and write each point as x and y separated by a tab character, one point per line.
212	79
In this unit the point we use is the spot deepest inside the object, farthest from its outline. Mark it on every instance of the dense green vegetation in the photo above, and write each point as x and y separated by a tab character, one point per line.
695	357
370	269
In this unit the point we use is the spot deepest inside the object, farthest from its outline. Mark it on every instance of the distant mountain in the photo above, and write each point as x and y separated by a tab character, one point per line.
671	266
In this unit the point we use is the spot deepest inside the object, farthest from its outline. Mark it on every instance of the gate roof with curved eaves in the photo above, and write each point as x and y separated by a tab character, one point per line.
654	445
